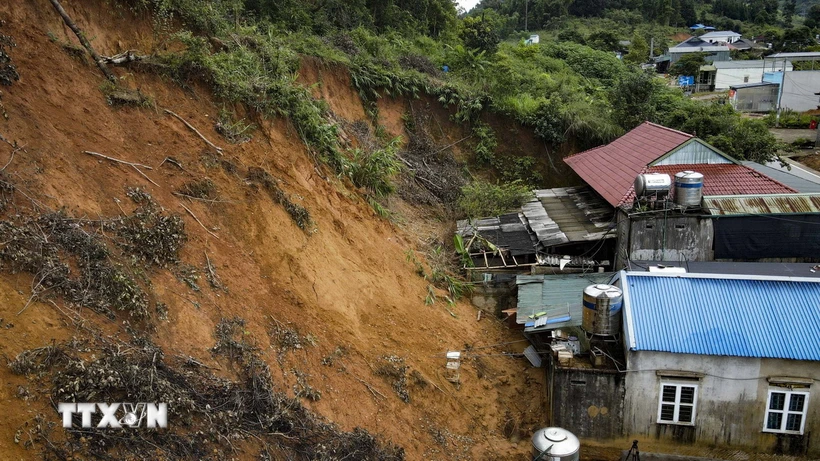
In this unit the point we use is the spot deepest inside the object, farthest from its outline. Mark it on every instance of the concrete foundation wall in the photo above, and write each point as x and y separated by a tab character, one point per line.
731	401
660	237
587	402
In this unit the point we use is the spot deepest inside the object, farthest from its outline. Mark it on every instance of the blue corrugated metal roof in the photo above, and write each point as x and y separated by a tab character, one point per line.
707	314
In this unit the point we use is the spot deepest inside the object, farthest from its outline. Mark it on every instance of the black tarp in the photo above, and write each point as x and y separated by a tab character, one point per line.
759	237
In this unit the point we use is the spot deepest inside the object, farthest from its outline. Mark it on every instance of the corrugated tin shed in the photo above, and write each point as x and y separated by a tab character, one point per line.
558	296
728	205
795	177
742	64
707	314
507	231
568	214
796	55
554	217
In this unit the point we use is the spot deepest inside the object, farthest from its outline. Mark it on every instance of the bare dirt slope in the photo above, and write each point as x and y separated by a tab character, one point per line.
345	284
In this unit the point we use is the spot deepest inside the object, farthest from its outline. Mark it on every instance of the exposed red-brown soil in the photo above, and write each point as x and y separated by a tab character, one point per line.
346	282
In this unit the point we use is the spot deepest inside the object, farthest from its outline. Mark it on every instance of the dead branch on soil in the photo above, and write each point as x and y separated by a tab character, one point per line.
213	279
371	388
122	58
453	144
135	166
218	149
172	161
97	59
145	176
117	160
191	197
198	221
14	151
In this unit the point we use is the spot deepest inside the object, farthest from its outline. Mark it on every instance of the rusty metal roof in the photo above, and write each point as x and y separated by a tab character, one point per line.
568	214
762	204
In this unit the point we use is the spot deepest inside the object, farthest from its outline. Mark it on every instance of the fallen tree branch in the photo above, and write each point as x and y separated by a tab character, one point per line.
191	197
210	267
453	144
135	166
370	388
122	58
145	176
14	151
172	161
96	154
218	149
197	220
71	25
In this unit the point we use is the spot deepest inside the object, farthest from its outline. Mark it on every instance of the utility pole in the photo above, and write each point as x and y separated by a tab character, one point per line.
651	47
780	93
526	14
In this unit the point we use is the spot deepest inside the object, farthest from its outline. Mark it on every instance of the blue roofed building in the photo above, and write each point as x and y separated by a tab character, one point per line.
728	359
722	359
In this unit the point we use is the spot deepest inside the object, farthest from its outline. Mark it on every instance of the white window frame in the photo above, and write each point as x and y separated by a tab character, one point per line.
678	385
785	412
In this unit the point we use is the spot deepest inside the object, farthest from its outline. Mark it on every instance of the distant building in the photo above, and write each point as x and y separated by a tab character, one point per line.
701	27
744	44
732	73
720	37
800	88
754	97
697	45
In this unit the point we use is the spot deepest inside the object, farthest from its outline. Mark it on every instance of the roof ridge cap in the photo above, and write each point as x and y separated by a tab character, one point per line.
588	150
668	129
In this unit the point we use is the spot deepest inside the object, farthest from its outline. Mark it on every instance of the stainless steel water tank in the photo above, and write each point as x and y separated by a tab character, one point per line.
602	309
652	184
555	444
688	188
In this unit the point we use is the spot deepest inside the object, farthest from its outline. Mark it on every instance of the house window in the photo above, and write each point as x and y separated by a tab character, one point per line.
745	79
677	403
786	411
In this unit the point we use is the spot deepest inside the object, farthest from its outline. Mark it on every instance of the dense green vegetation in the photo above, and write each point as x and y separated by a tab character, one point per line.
570	89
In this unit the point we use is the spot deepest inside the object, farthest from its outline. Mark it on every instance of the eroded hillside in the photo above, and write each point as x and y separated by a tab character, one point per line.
285	279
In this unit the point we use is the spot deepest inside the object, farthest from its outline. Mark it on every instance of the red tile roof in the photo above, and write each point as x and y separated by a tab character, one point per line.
611	169
721	179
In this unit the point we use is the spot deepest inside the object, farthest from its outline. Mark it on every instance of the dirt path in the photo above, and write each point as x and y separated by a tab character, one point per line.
789	135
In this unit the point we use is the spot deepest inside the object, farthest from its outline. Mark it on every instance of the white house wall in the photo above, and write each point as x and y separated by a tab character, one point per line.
799	88
724	78
731	401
